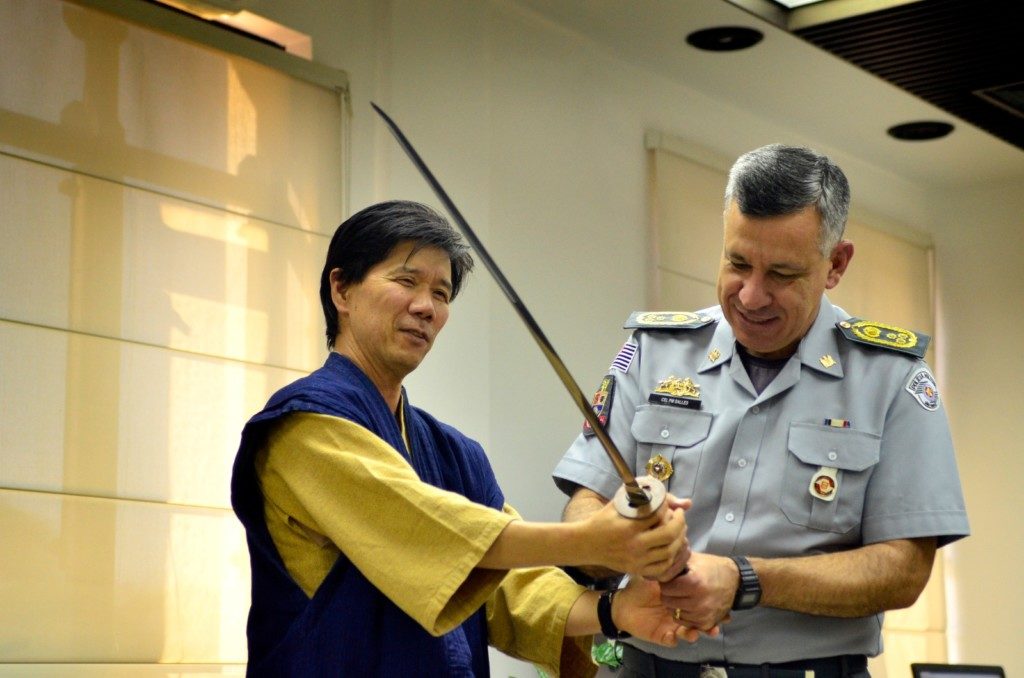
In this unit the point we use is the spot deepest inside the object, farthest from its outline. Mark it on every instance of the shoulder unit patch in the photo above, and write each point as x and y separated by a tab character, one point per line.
885	336
922	387
667	320
602	404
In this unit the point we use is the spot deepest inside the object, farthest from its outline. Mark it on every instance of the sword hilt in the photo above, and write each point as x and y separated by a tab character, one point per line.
653	491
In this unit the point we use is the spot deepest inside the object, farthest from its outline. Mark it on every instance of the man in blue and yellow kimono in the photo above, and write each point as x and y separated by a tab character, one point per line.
379	540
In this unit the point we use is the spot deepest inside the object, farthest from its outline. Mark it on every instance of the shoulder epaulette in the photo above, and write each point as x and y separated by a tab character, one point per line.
667	320
885	336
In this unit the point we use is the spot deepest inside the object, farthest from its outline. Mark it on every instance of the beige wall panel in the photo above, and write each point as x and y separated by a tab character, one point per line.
120	670
100	258
92	416
929	612
84	90
682	293
889	280
902	648
688	216
33	367
36	260
203	280
98	580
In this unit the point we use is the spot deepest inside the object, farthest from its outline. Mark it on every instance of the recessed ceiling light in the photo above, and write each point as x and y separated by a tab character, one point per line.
724	38
920	130
793	4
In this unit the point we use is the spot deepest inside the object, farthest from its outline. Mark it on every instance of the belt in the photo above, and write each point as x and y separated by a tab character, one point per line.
652	666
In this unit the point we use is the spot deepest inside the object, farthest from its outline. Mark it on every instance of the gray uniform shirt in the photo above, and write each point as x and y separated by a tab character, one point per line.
868	417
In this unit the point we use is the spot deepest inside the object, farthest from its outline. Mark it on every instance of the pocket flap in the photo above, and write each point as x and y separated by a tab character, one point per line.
830	446
664	425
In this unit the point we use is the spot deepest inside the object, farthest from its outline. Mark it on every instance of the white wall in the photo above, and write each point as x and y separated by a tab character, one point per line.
537	134
979	242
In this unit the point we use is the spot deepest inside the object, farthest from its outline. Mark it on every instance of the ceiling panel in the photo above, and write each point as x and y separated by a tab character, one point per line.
963	56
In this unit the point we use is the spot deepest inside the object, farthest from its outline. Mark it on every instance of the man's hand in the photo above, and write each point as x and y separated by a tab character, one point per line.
638	609
681	563
702	598
646	546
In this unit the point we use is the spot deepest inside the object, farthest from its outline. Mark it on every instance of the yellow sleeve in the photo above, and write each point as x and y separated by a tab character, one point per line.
332	486
526	619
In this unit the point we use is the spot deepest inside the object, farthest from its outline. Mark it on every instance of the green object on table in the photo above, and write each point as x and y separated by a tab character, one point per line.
608	653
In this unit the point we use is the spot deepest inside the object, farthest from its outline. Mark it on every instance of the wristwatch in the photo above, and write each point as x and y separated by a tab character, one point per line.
748	593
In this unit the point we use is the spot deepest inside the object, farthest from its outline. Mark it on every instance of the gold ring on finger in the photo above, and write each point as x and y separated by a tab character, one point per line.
677	614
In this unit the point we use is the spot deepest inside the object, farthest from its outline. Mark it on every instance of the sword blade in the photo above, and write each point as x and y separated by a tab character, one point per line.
636	495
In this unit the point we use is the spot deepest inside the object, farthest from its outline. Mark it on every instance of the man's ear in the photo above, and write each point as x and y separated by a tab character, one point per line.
339	290
839	259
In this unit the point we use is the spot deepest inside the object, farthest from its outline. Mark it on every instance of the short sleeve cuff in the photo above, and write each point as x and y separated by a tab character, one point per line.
945	526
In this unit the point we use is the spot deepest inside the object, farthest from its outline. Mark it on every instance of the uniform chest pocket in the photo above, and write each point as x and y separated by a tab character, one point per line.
677	435
814	451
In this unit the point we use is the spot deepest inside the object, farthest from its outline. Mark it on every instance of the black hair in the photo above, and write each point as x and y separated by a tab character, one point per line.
369	236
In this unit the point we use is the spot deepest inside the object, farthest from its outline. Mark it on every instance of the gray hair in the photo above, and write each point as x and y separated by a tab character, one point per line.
777	180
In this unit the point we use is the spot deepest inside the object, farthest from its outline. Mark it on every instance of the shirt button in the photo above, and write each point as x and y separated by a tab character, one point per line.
664	433
832	456
729	517
755	409
742	463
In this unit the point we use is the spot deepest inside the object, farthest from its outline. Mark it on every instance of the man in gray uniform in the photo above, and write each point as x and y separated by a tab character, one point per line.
814	445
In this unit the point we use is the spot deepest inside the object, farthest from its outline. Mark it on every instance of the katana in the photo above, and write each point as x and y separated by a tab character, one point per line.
638	496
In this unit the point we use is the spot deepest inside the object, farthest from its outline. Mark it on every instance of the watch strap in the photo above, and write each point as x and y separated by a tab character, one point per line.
604	616
748	593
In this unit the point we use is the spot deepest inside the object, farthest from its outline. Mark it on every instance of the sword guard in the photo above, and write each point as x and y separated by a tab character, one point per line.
652	487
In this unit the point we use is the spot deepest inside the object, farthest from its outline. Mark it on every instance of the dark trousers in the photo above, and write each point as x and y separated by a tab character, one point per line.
639	664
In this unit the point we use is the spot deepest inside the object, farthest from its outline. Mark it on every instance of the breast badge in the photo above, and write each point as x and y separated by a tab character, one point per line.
659	467
825	483
677	393
602	404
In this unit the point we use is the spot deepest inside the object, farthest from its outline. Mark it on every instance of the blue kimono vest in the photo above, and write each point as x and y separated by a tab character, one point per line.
349	628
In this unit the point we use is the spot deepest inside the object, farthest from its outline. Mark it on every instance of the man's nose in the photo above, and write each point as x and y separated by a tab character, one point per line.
422	304
754	294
